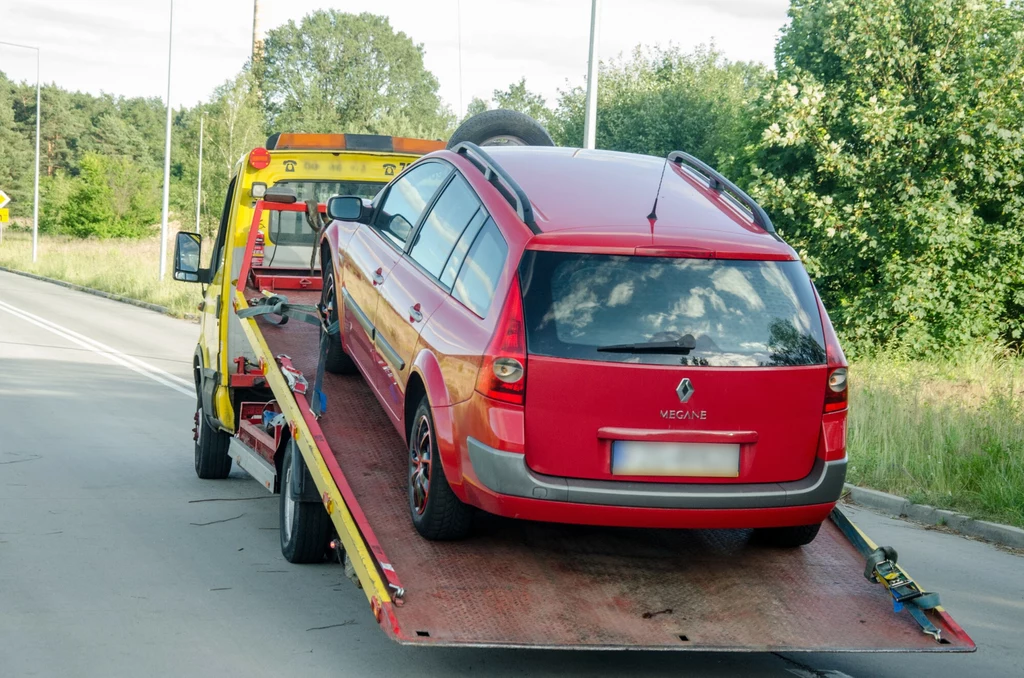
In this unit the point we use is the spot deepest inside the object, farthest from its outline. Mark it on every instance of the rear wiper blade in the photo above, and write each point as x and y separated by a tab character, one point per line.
681	346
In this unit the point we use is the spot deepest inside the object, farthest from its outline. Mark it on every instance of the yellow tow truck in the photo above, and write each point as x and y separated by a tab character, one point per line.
299	169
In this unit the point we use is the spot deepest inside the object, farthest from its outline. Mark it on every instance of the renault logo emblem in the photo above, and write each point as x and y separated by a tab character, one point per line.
684	390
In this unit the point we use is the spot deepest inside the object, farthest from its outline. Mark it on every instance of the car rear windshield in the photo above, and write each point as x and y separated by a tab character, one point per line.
728	313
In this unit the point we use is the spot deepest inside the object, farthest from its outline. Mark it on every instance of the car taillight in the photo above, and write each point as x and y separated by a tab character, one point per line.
836	387
836	390
259	158
503	370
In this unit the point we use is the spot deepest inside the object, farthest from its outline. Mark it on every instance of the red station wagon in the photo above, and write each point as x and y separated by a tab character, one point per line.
590	337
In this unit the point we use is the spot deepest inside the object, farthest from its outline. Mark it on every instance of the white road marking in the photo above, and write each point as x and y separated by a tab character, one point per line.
818	674
112	354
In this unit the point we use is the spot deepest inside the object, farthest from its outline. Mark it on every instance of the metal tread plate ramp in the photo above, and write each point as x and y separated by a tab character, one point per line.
524	584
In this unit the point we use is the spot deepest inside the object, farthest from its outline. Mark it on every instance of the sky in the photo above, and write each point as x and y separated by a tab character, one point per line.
120	46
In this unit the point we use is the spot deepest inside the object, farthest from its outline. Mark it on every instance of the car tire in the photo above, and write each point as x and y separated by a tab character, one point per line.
212	460
501	128
437	514
305	525
336	361
787	537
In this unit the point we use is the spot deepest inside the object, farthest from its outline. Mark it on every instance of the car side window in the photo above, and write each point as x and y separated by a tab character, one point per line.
444	225
478	277
217	257
458	255
406	200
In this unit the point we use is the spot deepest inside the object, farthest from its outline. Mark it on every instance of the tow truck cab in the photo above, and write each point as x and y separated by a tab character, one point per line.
304	168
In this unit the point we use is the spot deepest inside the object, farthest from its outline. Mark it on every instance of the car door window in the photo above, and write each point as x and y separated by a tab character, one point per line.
458	255
443	226
407	198
217	255
478	277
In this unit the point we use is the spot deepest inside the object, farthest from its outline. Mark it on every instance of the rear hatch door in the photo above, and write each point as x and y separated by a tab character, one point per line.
671	369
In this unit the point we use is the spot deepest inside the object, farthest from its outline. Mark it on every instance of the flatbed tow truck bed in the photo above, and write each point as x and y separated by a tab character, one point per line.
526	584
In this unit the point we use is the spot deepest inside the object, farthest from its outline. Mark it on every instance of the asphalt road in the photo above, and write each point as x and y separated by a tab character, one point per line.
115	560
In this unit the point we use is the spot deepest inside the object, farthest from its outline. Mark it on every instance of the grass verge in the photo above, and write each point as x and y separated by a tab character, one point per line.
949	434
119	266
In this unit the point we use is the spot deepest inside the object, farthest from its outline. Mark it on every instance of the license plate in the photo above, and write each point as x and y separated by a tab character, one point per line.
703	460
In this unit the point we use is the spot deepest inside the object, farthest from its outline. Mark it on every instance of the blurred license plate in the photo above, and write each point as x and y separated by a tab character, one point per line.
705	460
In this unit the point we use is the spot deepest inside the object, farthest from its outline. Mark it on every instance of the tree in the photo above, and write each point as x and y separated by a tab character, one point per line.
476	105
338	72
516	98
16	155
661	100
892	158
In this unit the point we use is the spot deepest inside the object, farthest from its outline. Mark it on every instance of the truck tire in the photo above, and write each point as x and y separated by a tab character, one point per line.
787	537
212	460
336	360
501	128
437	514
305	525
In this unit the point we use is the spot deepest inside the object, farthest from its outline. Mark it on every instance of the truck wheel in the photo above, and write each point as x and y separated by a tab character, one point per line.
337	361
787	537
212	460
437	514
305	525
501	128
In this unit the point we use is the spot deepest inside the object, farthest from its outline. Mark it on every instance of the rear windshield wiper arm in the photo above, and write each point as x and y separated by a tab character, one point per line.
681	346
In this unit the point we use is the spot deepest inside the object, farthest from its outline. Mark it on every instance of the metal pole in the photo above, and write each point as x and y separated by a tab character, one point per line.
590	118
35	198
199	180
458	6
167	153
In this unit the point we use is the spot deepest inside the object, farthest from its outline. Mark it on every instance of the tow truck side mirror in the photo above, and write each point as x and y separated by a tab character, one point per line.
187	248
348	208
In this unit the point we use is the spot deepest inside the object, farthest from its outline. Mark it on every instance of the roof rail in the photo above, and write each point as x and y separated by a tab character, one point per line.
500	179
719	183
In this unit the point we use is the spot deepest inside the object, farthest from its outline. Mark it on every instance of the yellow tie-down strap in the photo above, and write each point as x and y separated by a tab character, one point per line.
355	546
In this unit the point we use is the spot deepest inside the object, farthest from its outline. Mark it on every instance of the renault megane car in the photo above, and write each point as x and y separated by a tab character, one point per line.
591	337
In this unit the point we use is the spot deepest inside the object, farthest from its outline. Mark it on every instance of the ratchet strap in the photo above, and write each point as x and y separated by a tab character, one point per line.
881	567
278	305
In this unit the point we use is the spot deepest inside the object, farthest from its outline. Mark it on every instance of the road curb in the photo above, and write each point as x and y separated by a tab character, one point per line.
100	293
901	507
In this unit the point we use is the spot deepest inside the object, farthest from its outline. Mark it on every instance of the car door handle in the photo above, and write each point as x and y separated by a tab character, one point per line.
415	315
378	277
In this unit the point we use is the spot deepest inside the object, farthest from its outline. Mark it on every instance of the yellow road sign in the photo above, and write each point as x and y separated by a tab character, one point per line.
5	215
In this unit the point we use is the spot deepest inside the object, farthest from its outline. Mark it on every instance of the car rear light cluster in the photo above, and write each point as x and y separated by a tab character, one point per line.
836	387
836	393
503	370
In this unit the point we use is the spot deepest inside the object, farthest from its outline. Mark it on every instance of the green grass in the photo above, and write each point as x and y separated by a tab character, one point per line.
947	433
120	266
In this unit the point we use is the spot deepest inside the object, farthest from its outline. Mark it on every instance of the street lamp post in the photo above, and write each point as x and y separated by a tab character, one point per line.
199	179
35	201
590	117
167	154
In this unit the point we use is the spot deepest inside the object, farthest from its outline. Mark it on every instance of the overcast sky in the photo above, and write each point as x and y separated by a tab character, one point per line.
120	46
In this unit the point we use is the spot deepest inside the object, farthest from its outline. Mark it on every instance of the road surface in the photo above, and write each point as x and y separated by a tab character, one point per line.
115	560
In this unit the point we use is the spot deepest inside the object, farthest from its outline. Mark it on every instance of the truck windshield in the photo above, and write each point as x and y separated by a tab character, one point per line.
290	228
732	313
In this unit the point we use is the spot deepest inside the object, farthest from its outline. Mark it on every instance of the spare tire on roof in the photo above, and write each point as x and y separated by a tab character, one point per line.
501	128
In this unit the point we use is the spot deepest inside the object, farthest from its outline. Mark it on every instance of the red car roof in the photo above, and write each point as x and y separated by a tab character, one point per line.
591	199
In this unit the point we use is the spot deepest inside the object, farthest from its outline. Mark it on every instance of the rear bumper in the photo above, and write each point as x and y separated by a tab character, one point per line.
506	473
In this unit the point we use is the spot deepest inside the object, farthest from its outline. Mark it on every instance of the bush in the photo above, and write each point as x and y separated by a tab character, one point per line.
892	158
111	197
